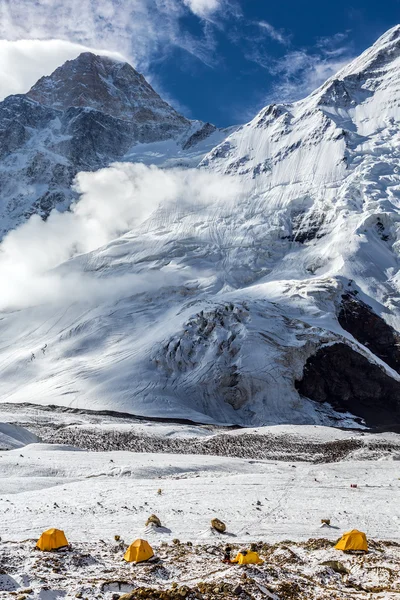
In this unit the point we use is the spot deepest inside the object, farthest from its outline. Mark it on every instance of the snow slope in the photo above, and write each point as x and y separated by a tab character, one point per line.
97	495
257	316
12	436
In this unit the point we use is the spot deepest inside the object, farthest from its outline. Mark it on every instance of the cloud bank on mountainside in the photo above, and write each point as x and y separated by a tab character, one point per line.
23	62
112	201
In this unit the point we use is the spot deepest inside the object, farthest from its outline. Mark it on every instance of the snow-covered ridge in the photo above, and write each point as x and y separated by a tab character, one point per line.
13	436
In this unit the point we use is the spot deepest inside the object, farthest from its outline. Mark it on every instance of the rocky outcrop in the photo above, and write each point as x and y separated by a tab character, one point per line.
347	380
105	85
201	134
218	525
356	317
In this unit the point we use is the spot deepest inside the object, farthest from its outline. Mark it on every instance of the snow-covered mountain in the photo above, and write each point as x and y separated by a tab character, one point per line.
277	305
90	112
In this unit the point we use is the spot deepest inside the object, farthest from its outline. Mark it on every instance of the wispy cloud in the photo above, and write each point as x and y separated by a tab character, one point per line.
335	44
299	73
276	34
140	29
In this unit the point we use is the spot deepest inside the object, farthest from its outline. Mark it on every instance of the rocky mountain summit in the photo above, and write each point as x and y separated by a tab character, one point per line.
90	112
105	85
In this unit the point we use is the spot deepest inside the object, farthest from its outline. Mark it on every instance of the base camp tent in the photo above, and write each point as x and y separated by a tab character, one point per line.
247	558
139	551
353	540
52	539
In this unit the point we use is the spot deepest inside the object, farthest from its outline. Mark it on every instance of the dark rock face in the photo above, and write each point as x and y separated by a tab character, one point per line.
200	135
345	379
369	329
306	227
19	117
94	138
106	85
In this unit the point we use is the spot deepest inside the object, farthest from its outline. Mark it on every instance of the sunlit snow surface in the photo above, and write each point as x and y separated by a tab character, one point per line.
103	493
95	496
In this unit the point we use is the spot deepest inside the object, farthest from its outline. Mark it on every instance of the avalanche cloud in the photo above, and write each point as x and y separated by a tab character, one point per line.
112	202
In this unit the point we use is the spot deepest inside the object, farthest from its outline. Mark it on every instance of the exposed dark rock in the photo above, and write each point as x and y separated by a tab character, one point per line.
306	227
263	447
104	84
345	379
371	330
200	135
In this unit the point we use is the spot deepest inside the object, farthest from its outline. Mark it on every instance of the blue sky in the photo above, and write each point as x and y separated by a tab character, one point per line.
215	60
270	51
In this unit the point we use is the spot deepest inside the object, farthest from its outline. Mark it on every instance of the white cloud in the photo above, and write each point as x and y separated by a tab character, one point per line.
203	8
30	255
139	29
274	33
23	62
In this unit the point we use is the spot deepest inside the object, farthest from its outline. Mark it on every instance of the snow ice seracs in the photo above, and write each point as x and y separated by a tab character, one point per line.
263	276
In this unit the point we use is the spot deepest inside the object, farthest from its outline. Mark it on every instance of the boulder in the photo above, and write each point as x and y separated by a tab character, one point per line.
153	520
218	525
336	566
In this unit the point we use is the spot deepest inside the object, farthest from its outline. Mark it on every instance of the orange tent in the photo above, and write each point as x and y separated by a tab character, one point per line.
249	558
52	539
353	540
139	551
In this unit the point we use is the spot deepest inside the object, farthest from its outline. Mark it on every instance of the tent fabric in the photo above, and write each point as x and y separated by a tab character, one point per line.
353	540
139	551
52	539
250	558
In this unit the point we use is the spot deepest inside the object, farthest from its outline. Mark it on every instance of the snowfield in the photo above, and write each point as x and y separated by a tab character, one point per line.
96	496
12	436
102	494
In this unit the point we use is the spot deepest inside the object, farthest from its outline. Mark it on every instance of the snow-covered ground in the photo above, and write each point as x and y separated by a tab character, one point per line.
94	496
102	494
12	436
276	502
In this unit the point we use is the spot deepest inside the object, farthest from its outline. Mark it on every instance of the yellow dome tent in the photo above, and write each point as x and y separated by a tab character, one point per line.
52	539
248	558
139	551
353	540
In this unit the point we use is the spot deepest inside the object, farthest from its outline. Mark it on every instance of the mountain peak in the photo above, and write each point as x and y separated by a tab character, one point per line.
105	84
380	55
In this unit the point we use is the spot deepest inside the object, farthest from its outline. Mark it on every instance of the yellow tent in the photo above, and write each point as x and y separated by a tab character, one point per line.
248	558
139	551
51	540
353	540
